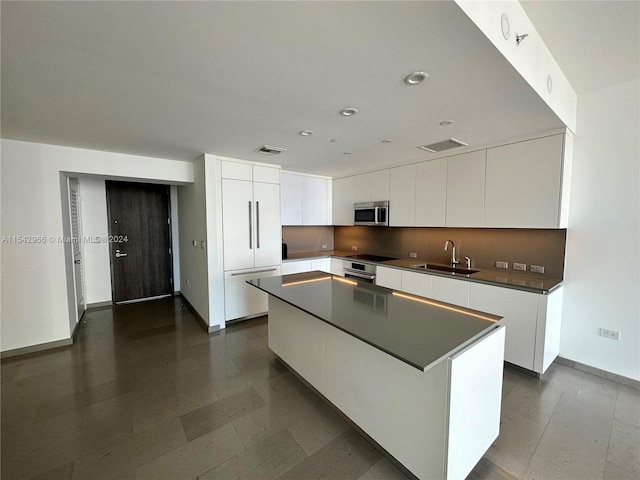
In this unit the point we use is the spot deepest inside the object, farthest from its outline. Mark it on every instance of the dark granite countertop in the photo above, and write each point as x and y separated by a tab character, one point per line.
416	330
501	278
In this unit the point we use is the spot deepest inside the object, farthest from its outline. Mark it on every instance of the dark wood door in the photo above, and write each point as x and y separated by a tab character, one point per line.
140	235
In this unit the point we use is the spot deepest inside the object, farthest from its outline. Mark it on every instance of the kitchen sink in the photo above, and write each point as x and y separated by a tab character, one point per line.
445	268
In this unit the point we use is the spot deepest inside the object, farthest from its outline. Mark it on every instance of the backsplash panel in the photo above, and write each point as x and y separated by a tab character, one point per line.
484	246
307	239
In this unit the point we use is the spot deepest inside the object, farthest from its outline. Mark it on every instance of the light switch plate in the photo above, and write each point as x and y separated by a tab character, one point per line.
537	269
413	255
520	266
502	264
354	247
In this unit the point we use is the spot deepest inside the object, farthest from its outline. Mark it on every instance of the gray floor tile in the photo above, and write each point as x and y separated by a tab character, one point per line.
628	405
614	472
624	447
347	457
383	469
194	458
62	472
542	469
533	399
266	460
516	443
486	470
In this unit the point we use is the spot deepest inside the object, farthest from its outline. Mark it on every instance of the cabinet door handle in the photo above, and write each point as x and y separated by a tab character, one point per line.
256	271
250	227
258	224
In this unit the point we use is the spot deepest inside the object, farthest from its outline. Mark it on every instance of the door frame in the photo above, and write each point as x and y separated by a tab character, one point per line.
170	238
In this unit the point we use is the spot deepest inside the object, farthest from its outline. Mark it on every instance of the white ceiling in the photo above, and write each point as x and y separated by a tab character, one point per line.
596	43
174	80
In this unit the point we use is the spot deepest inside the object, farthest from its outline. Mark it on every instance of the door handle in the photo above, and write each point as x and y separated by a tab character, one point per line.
77	262
118	254
250	227
258	224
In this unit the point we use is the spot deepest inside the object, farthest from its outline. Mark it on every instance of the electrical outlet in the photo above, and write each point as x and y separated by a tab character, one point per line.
537	269
188	281
195	243
413	255
520	266
324	246
502	264
612	334
354	247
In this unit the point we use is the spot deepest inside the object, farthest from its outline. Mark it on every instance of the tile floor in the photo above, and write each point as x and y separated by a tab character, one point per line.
144	393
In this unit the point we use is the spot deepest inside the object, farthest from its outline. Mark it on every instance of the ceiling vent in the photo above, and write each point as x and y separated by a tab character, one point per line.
443	145
269	150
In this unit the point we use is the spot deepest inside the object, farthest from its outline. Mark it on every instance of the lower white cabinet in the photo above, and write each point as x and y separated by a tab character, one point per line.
336	266
242	300
389	278
416	283
451	291
301	266
298	266
532	321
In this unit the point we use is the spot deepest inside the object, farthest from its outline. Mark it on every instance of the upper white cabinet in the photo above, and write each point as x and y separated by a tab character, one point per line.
371	187
343	195
466	189
306	200
291	199
380	185
431	193
523	184
402	196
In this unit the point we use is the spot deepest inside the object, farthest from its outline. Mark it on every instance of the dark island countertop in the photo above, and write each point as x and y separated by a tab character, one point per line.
415	330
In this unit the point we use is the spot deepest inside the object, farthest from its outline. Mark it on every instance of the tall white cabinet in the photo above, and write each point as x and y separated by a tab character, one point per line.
251	232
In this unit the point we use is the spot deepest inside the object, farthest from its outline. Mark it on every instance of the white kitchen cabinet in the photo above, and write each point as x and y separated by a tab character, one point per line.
524	184
362	188
431	193
466	189
307	265
532	321
291	198
297	266
519	311
450	290
416	283
241	299
343	194
336	266
402	196
250	224
305	200
380	185
322	264
316	201
389	278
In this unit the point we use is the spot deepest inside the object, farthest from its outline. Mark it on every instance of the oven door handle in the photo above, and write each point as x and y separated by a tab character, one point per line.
359	274
376	215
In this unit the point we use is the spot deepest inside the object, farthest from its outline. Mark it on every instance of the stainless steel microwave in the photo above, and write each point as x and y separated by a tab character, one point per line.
371	214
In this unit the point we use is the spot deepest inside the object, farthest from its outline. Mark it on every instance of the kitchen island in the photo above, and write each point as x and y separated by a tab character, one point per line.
422	378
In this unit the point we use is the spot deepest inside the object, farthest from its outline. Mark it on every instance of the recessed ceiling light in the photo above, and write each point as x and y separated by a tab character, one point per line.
270	150
348	111
346	153
386	140
334	140
446	123
415	78
306	133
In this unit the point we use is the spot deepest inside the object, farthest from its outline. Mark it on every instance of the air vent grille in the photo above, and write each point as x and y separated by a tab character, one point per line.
443	145
269	150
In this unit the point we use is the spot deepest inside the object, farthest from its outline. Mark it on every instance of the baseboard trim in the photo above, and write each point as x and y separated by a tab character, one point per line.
99	305
37	348
198	317
614	377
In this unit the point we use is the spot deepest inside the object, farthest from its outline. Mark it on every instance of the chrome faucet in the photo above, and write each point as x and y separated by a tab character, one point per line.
454	261
467	262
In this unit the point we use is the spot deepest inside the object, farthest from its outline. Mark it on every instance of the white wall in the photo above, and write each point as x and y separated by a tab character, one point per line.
34	290
193	228
603	259
97	269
